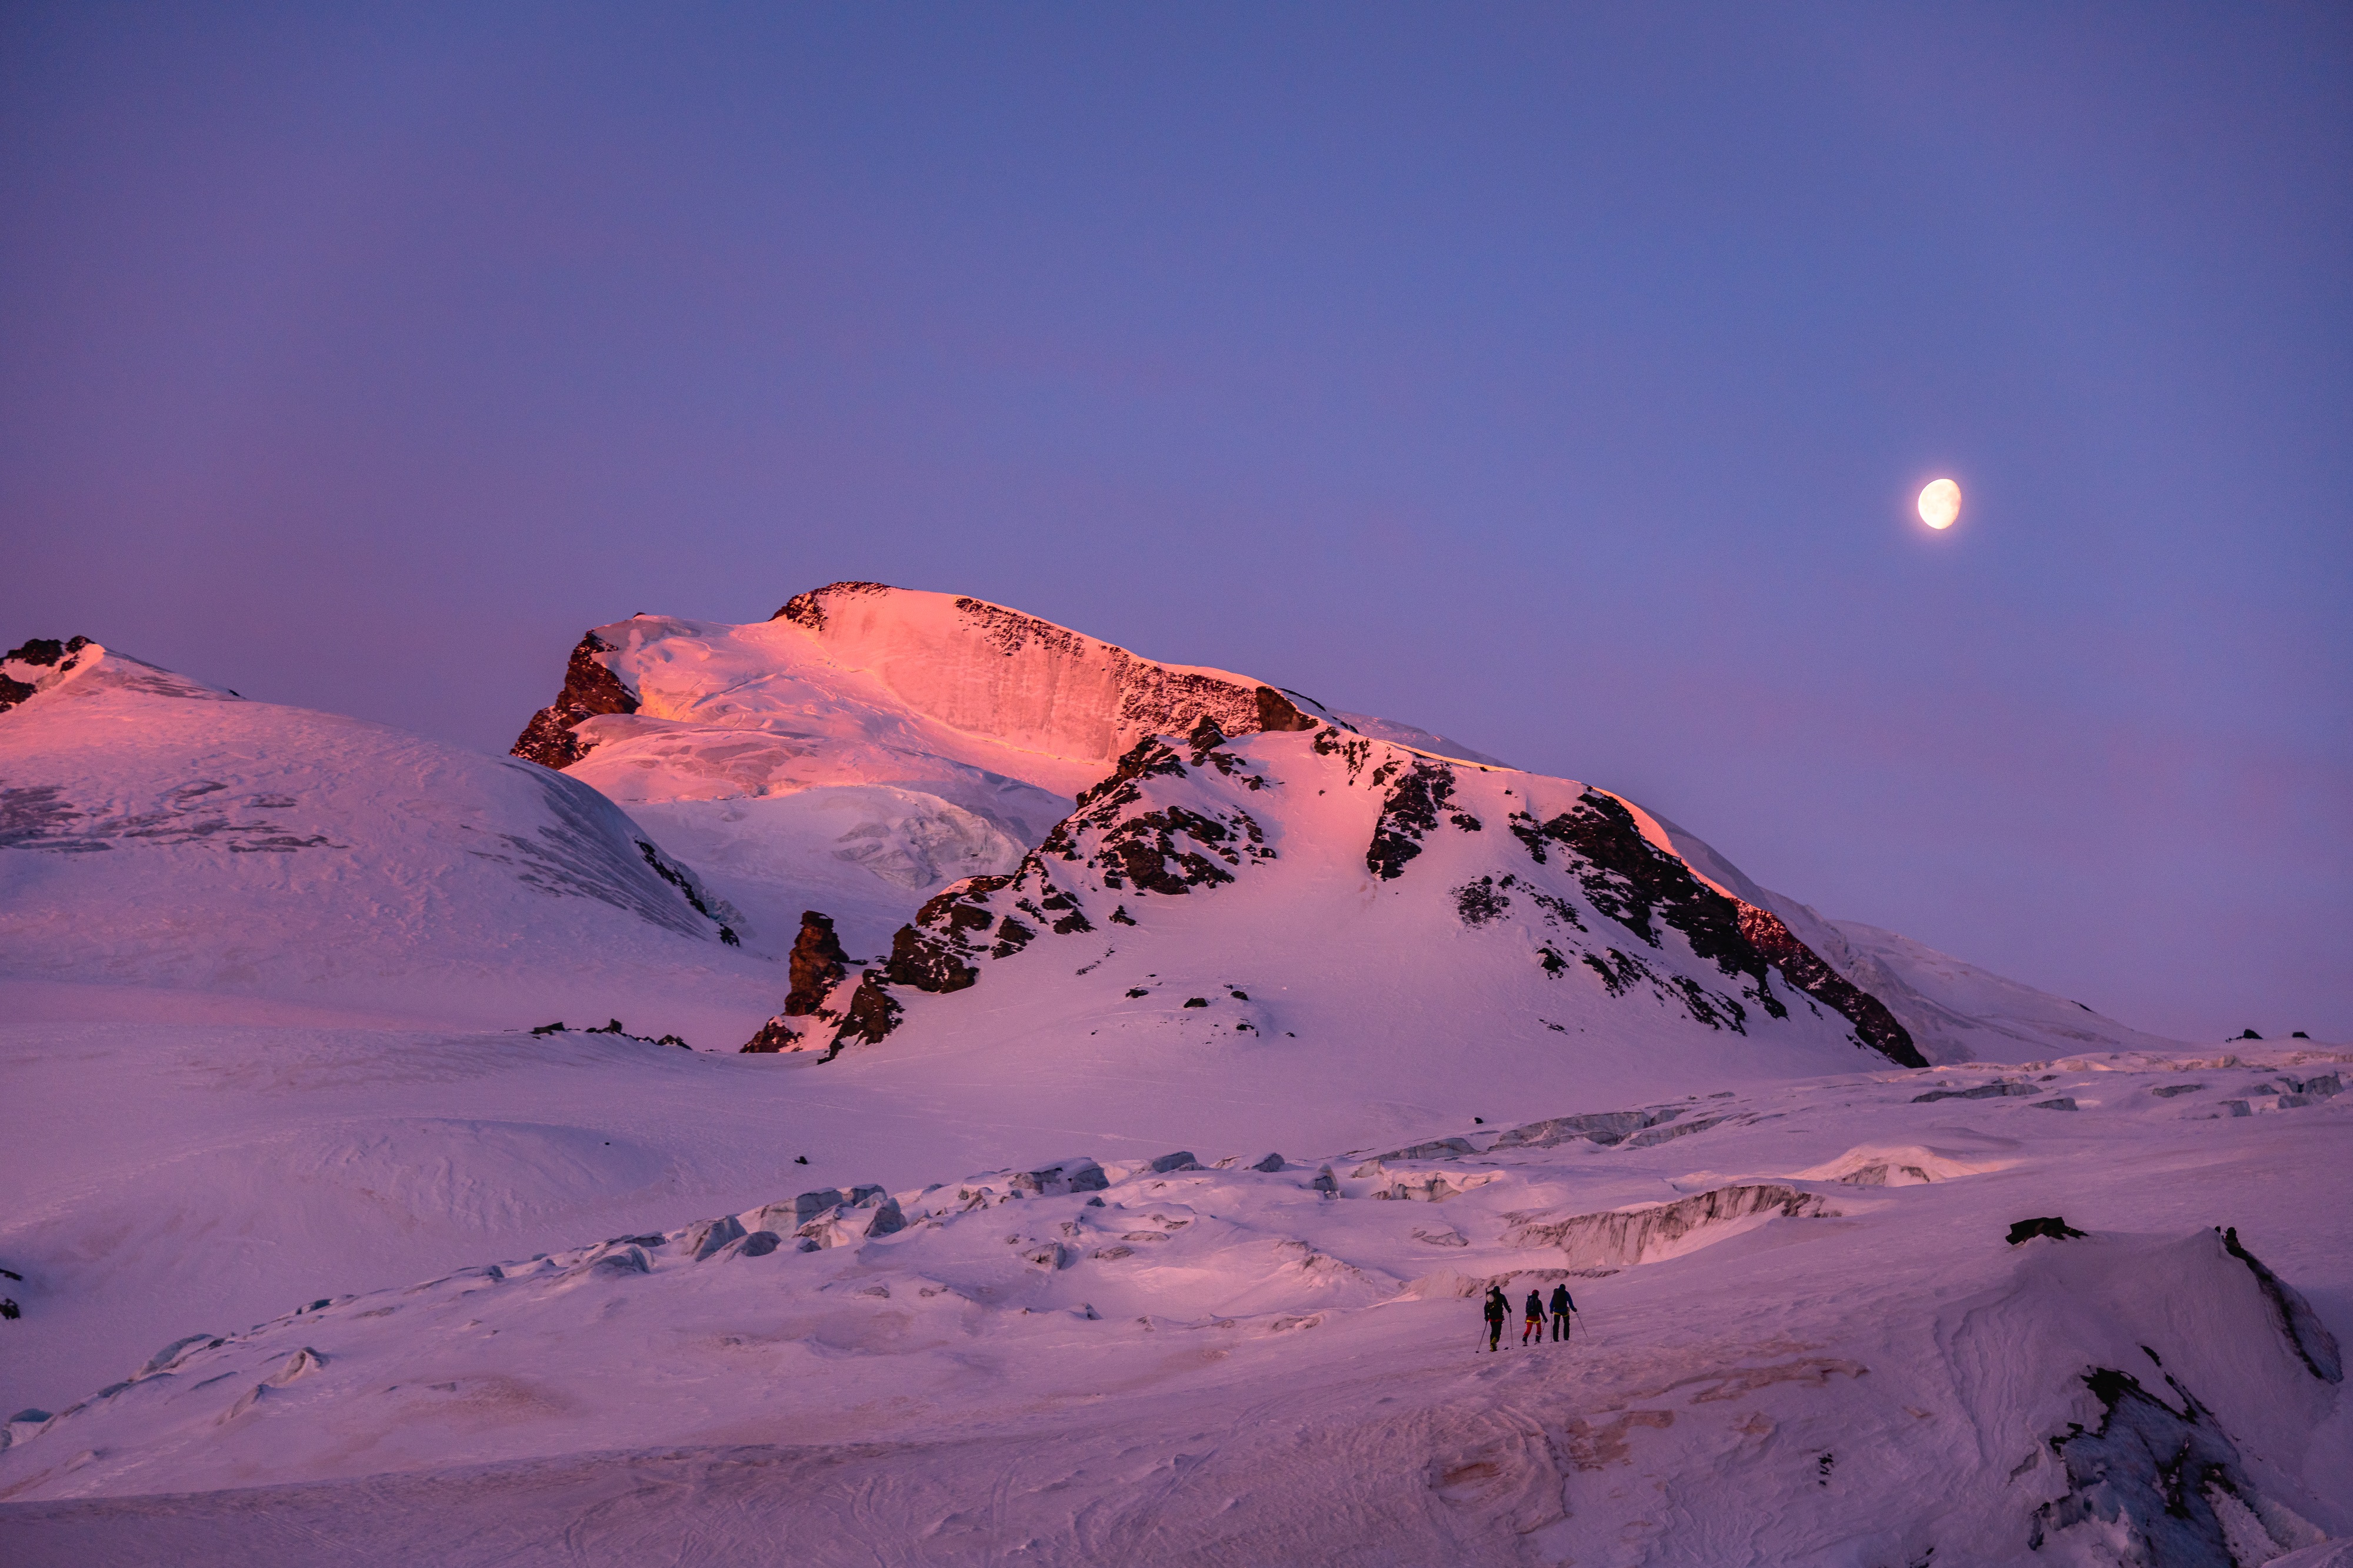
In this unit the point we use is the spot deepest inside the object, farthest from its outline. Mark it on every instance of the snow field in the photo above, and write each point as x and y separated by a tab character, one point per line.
1228	1366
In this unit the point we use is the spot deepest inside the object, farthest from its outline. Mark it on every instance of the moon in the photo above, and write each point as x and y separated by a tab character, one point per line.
1940	504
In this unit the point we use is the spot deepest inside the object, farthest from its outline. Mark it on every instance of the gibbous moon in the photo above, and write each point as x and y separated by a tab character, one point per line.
1940	503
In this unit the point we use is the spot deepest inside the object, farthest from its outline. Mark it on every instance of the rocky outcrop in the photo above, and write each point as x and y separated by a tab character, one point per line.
1803	969
35	656
1422	793
776	1035
809	609
874	1013
817	965
590	688
1632	881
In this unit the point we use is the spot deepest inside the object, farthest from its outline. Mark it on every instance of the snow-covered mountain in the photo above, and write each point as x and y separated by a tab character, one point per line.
169	837
868	746
1400	913
963	1291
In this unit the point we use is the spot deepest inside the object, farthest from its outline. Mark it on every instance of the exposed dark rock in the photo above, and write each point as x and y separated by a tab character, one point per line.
2058	1102
817	965
1478	903
1409	813
1272	1162
1012	936
761	1243
2168	1090
589	689
38	653
2293	1316
684	880
42	651
1197	1001
1182	1159
775	1035
2052	1226
2249	1034
809	609
1276	712
1804	968
927	963
874	1013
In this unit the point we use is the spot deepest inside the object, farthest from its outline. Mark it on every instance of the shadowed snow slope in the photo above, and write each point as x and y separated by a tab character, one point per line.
156	832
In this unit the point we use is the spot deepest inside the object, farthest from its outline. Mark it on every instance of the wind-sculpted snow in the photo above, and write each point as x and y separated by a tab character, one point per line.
1147	1357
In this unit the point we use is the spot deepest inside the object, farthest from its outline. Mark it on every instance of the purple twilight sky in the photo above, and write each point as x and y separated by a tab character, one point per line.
1555	377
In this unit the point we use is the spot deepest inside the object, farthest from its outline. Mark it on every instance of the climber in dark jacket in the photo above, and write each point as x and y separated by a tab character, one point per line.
1535	1324
1561	1308
1496	1310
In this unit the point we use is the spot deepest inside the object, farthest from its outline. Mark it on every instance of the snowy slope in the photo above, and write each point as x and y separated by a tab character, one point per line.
158	833
1954	1011
869	746
1530	1030
1340	903
865	746
1803	1336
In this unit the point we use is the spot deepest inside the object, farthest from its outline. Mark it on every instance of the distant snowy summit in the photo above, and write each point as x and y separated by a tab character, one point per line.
158	834
924	819
871	752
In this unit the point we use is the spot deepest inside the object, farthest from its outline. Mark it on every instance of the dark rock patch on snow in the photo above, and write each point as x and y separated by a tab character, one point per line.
590	688
2052	1226
817	965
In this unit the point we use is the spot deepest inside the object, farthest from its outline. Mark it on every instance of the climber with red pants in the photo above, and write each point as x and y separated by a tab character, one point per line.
1534	1326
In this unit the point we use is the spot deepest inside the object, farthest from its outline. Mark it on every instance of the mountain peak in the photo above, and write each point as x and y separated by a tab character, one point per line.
83	665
